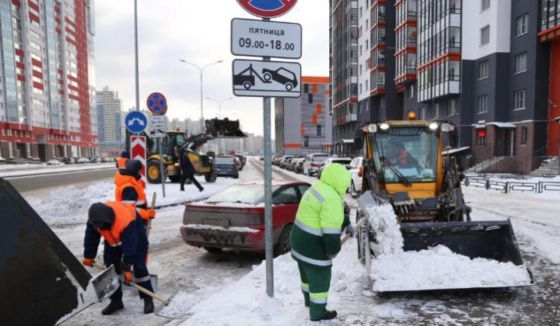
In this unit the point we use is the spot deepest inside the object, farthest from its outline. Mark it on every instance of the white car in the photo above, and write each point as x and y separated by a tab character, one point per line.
313	163
356	173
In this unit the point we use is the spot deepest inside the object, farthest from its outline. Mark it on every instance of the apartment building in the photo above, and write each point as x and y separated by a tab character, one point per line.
110	125
46	104
303	125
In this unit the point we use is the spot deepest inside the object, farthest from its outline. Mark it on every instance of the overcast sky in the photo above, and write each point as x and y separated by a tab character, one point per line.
198	31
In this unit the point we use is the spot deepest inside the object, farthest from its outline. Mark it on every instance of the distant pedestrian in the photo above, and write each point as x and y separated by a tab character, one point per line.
315	237
121	166
187	169
125	247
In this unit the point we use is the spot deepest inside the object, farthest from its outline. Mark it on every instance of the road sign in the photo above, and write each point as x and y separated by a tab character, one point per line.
158	126
257	38
265	78
267	8
157	103
138	152
136	122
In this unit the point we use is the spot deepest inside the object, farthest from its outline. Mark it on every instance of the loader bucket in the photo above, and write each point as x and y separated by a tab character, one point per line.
484	239
223	128
42	281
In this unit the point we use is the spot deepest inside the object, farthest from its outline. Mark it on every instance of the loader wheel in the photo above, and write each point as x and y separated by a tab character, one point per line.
211	177
153	174
284	244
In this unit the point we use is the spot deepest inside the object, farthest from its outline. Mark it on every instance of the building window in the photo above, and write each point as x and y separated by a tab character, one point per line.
524	135
306	88
522	25
411	92
485	35
481	137
310	98
485	4
482	104
520	98
452	110
319	131
521	62
483	69
306	141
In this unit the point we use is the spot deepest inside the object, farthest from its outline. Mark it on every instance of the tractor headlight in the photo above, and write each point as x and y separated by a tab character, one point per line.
433	126
447	127
384	126
372	128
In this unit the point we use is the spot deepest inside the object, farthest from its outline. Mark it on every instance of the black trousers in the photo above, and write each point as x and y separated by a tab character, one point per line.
190	176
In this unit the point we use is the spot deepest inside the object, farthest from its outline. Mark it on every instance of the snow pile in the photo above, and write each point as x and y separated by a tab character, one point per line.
440	268
179	306
70	204
383	220
246	303
435	268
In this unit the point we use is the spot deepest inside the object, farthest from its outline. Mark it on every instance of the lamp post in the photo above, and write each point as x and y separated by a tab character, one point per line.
201	69
136	70
219	104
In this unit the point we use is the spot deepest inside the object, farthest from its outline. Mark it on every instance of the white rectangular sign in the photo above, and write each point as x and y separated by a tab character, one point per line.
266	78
257	38
158	125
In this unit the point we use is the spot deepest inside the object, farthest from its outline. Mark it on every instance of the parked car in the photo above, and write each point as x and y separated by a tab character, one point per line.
82	160
69	160
356	171
54	162
227	166
243	161
284	160
340	160
234	218
299	165
313	163
291	164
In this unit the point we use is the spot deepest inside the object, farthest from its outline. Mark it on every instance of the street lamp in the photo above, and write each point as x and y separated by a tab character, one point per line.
219	104
201	69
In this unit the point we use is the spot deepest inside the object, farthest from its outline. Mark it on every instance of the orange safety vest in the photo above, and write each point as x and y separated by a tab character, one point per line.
124	215
126	181
121	163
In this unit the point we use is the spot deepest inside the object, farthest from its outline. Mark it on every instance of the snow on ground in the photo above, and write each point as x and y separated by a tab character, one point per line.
34	169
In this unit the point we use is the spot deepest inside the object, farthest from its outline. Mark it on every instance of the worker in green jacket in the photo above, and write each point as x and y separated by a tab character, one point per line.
316	235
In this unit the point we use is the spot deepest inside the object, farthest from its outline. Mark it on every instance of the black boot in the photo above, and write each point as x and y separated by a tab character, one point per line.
327	316
113	307
148	305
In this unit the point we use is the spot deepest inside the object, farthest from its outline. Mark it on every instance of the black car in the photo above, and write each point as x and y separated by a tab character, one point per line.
282	76
225	166
243	161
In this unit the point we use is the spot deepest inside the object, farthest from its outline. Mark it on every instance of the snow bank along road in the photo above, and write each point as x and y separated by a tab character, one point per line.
200	276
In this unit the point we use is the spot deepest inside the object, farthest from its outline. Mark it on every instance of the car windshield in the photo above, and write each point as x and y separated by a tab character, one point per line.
319	159
224	160
240	194
408	153
341	161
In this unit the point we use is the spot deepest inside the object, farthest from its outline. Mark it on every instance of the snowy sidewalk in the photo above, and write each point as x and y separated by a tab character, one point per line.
28	170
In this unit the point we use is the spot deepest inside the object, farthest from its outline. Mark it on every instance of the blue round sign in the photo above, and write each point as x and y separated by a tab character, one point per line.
136	122
157	103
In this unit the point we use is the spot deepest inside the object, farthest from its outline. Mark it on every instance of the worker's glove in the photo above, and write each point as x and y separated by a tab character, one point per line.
350	230
88	262
127	273
151	213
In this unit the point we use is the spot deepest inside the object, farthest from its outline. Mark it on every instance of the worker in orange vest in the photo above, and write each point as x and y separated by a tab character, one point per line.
130	190
121	166
125	247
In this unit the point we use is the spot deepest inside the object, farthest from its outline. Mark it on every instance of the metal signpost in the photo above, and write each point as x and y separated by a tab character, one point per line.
266	79
157	104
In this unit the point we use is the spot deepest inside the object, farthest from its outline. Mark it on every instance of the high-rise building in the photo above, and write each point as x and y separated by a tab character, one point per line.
550	36
303	125
46	104
478	64
109	108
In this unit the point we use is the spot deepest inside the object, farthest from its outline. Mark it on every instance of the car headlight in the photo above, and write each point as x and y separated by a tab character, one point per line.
372	128
384	126
433	126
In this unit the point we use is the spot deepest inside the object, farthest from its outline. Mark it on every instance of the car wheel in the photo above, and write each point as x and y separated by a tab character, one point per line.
213	250
211	177
284	244
267	77
153	174
247	85
236	176
289	87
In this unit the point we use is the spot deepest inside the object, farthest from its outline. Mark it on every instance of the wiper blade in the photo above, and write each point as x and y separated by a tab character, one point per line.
396	171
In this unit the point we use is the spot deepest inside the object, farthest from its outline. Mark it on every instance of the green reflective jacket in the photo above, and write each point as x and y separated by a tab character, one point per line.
320	218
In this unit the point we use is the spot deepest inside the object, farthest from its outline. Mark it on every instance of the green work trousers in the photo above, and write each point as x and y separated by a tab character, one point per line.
315	283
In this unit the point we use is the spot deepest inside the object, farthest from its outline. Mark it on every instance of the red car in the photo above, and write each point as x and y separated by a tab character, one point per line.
234	218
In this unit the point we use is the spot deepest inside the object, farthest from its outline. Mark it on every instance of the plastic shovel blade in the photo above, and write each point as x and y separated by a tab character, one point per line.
105	283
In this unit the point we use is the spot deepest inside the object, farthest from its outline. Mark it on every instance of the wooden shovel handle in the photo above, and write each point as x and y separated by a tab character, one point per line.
358	224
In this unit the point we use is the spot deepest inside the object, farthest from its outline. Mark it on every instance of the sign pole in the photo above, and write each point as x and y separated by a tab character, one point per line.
268	192
161	167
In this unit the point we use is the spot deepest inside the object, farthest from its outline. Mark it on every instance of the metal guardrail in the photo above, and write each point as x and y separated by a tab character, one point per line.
538	187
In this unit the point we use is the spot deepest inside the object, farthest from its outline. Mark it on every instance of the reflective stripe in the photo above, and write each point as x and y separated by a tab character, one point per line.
308	229
318	301
128	202
320	298
311	261
143	279
332	231
140	202
116	244
317	195
305	287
